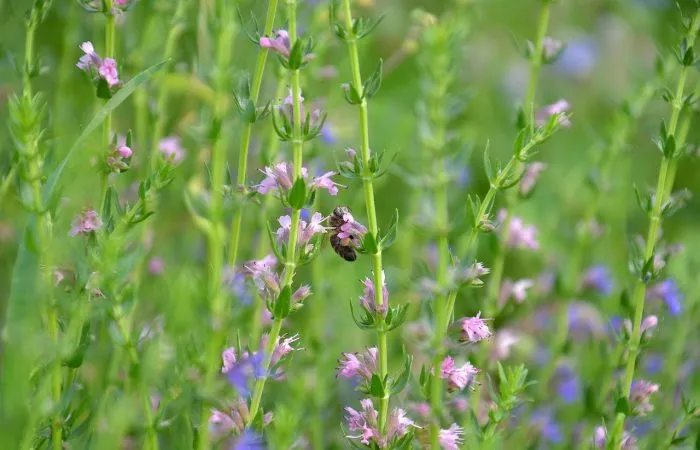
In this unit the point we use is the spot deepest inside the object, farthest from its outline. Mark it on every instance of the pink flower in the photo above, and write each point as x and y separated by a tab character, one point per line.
451	438
108	71
124	152
520	235
309	230
640	396
367	300
474	329
283	347
277	177
532	172
156	265
325	182
504	341
171	150
600	438
365	423
90	58
558	108
280	43
516	290
86	222
458	377
362	364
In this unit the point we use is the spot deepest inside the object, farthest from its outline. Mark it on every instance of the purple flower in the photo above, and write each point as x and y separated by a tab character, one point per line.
503	343
669	292
520	235
653	363
648	324
280	43
306	231
327	134
558	108
578	59
248	441
640	396
532	172
474	329
517	290
156	265
239	371
279	178
90	59
283	347
569	385
108	71
124	152
551	48
600	439
367	300
365	422
458	378
585	321
451	438
324	182
363	364
598	278
171	149
543	421
85	223
235	280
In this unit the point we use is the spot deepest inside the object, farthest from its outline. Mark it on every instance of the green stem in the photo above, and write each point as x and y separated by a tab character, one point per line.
371	211
216	238
246	133
512	196
290	263
110	30
665	179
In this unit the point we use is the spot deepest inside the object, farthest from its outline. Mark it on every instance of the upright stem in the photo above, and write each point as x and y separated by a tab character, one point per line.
512	196
110	30
246	133
290	263
621	131
664	183
371	210
216	238
33	172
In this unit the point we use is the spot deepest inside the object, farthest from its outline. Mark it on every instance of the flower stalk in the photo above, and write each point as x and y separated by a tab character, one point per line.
536	58
666	176
290	262
110	31
368	187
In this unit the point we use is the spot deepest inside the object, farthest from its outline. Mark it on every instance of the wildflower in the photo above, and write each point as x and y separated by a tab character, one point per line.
421	408
365	422
235	280
263	275
504	342
669	292
569	384
90	59
532	172
598	278
600	438
279	178
585	320
451	438
249	440
220	423
520	235
156	265
474	329
283	347
648	324
458	377
86	222
367	299
124	152
306	230
232	419
551	48
108	71
472	274
516	290
239	371
579	58
558	108
362	364
171	149
280	43
640	396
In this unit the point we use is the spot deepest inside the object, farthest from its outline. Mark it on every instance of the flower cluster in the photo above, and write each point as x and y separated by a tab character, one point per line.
171	149
86	222
474	329
520	236
306	231
365	422
267	281
105	69
458	378
362	364
640	396
367	299
600	439
279	178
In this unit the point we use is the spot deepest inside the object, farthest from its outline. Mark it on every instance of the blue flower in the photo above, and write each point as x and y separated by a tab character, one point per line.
578	59
669	292
242	371
549	429
248	441
598	278
569	385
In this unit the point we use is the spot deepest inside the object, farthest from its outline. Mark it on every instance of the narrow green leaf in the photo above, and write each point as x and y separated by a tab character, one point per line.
390	236
116	100
282	305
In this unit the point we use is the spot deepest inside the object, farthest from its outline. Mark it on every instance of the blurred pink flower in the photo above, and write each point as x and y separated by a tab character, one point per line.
86	222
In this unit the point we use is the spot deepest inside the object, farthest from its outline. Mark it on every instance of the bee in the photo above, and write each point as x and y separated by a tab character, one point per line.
344	247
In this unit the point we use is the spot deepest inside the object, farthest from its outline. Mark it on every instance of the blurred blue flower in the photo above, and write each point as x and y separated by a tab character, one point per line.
653	363
327	134
578	59
248	441
599	279
569	385
549	429
250	366
669	292
236	282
